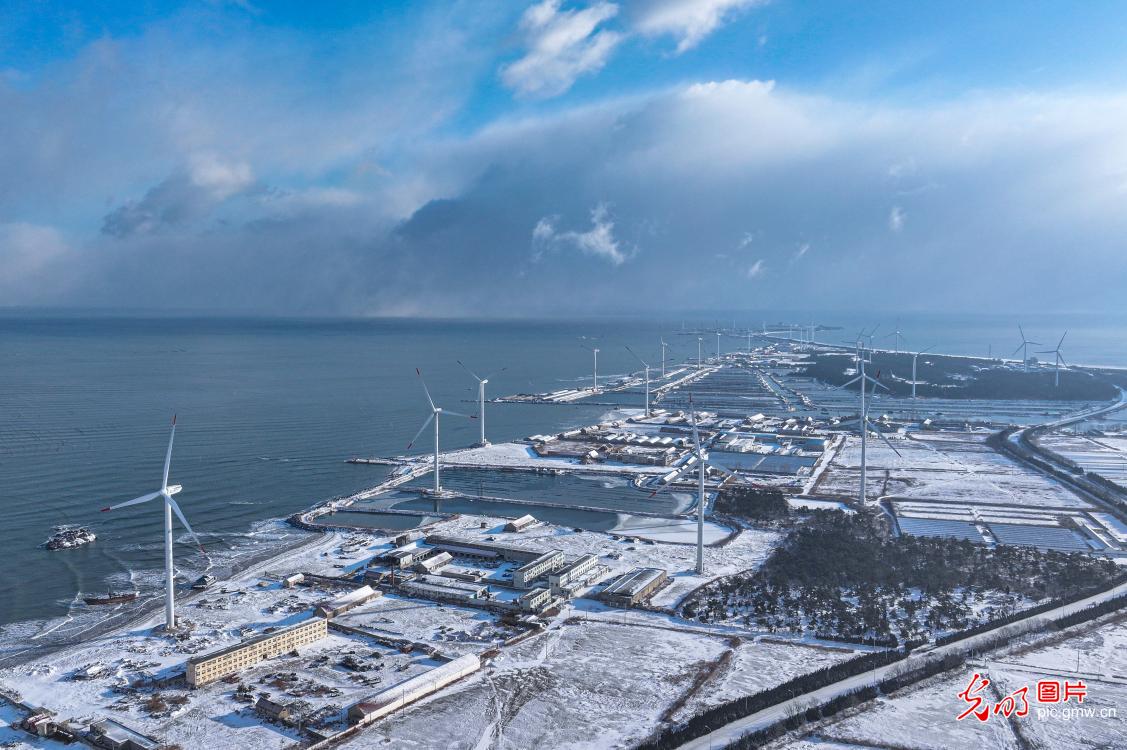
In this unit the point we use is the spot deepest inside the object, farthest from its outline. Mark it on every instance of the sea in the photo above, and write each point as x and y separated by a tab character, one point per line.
268	411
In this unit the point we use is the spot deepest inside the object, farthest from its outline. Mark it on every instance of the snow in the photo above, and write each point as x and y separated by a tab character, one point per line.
521	456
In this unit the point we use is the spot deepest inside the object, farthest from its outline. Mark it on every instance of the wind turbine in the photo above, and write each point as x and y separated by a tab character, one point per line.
699	340
718	346
436	413
914	357
644	364
1024	348
899	336
480	400
166	491
865	424
1058	359
664	346
702	466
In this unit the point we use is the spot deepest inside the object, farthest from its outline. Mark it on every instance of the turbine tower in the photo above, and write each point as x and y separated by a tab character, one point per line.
664	346
702	466
1024	348
436	413
718	347
1058	360
897	336
864	423
166	491
644	364
699	361
914	357
481	382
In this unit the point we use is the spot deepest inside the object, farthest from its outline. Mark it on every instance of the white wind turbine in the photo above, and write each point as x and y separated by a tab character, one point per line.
897	336
1058	360
700	339
646	365
864	423
702	466
436	413
481	383
596	375
166	491
718	346
664	346
1024	348
915	356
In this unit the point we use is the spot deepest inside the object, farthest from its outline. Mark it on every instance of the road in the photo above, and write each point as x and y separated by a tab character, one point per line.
731	732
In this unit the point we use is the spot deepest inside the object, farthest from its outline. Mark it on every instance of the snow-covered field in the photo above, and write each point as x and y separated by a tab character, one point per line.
952	467
521	456
923	715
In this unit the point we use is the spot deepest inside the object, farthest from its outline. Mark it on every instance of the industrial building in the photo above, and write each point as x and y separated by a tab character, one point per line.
351	600
535	600
400	558
211	667
395	697
113	735
460	547
444	589
634	587
520	524
530	571
407	537
293	580
434	562
564	579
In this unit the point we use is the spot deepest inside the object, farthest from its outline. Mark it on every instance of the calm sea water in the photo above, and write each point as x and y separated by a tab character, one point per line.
269	410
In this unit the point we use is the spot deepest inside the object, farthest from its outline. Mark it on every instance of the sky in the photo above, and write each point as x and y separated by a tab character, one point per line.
503	158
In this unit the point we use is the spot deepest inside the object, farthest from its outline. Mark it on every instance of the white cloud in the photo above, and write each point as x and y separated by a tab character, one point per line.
756	269
599	241
800	253
688	21
896	219
32	262
561	45
746	240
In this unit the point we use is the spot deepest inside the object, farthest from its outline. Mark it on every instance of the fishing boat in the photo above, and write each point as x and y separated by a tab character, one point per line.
113	597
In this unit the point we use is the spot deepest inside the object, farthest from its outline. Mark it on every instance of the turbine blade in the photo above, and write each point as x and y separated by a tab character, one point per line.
420	432
425	389
848	383
689	467
471	372
168	455
637	357
1061	339
134	501
882	437
180	515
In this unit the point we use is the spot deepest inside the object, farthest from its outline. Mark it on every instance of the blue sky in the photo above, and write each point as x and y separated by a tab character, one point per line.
500	157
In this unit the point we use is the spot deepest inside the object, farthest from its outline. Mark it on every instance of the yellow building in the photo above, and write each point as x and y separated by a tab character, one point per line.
218	664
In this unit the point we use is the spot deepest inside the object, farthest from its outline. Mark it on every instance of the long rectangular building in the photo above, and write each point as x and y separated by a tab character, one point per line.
530	571
211	667
635	586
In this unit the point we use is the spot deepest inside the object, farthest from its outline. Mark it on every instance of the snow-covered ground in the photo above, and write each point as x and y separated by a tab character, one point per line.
521	456
951	467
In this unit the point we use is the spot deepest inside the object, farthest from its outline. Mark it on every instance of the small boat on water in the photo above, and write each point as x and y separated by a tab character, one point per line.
113	597
203	581
66	537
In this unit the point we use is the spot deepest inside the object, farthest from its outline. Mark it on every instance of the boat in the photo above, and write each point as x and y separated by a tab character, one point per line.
66	537
113	597
204	581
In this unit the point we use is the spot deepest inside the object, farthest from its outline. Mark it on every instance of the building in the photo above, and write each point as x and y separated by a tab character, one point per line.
395	697
634	587
564	579
535	600
520	524
443	589
293	580
407	537
274	711
530	571
112	735
460	547
351	600
211	667
400	558
434	562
